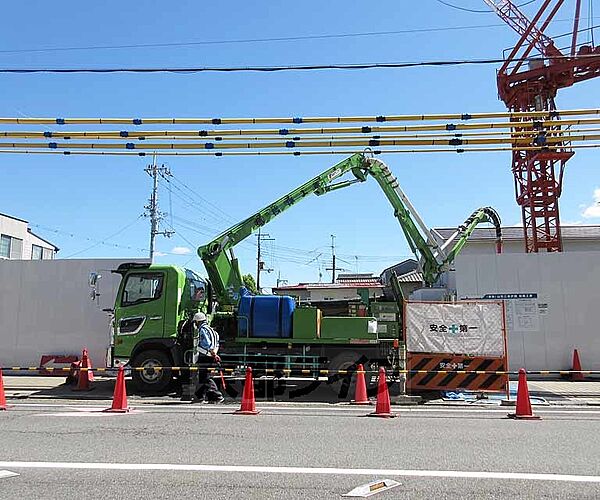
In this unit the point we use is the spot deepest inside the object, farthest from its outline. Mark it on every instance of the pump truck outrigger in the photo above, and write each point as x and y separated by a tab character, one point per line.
155	303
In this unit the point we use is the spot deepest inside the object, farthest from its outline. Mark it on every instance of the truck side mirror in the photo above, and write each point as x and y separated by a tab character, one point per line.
93	282
94	277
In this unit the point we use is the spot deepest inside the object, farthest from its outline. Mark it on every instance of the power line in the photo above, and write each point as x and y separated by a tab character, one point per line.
274	39
252	40
478	11
102	242
274	69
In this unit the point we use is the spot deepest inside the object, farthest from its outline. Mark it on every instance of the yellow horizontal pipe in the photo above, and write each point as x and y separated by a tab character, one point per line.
291	152
377	129
285	120
176	135
154	146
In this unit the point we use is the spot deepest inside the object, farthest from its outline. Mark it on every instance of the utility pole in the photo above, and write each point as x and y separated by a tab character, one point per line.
260	265
332	268
280	281
152	209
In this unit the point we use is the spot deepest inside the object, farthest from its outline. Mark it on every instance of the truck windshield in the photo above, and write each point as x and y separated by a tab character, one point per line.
142	288
197	286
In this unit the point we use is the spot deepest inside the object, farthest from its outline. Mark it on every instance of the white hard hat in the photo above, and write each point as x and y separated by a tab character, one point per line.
200	317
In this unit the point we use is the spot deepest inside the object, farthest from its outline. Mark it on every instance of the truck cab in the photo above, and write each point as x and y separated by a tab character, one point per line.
152	320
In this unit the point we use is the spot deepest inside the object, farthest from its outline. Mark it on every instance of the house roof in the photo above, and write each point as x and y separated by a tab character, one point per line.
411	277
331	286
576	232
12	217
56	249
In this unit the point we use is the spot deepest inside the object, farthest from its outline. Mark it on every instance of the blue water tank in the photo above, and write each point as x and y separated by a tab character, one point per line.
265	316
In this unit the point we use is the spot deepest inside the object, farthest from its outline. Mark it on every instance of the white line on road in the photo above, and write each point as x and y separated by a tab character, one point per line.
218	409
7	473
305	470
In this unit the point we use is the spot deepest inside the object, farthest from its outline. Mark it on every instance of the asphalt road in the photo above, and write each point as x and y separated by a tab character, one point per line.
206	452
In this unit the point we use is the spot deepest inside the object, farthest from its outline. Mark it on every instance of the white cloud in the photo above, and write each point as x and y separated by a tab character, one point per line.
181	250
159	254
593	211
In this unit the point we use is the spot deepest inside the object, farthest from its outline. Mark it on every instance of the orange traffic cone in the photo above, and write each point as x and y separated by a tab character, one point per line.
86	375
2	395
248	402
576	377
119	404
360	395
382	409
523	402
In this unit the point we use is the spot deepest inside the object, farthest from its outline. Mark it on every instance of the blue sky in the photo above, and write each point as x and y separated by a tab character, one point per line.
79	201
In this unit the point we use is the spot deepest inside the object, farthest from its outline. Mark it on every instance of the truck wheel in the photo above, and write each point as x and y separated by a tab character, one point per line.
343	385
151	380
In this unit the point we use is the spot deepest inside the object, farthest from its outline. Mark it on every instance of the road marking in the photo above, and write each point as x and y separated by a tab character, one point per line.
167	408
527	476
6	473
372	488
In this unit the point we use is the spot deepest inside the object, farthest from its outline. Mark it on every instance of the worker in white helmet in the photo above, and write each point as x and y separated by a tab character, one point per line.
206	348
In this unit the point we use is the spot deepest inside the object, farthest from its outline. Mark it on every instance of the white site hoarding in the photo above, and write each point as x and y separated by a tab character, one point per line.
46	309
551	304
473	328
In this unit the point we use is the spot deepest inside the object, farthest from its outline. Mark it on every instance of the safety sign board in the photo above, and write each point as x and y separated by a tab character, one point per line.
473	328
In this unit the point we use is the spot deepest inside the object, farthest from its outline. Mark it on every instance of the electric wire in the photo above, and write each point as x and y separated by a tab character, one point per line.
252	40
478	11
280	68
104	240
270	39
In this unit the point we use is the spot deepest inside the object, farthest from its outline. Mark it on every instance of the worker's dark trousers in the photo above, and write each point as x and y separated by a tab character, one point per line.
206	389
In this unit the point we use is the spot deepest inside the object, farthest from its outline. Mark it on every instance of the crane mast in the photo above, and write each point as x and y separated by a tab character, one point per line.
538	174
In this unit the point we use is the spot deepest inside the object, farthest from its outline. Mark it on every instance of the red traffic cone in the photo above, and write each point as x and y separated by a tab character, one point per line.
248	402
576	377
523	402
360	395
119	404
2	395
86	375
382	409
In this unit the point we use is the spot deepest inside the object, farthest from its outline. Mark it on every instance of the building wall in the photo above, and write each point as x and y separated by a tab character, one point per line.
18	229
479	247
544	330
45	308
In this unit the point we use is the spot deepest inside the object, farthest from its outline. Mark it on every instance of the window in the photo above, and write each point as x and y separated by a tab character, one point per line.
197	286
11	248
48	254
37	252
141	288
5	246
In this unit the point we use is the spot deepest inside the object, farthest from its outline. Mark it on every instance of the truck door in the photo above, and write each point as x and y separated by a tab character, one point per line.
141	310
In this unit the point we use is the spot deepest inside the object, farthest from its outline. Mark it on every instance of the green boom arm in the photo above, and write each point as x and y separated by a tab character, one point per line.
218	257
223	268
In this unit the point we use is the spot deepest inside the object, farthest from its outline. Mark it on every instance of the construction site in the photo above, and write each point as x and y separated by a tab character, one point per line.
289	234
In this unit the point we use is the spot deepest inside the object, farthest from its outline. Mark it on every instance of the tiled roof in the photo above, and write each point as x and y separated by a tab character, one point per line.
325	286
412	277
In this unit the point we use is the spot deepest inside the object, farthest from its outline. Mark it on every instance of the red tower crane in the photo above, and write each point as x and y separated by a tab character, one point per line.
527	83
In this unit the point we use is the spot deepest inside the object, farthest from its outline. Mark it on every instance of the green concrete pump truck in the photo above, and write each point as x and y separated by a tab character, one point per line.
155	303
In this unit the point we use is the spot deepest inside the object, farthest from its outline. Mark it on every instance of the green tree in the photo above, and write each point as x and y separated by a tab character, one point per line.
249	283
